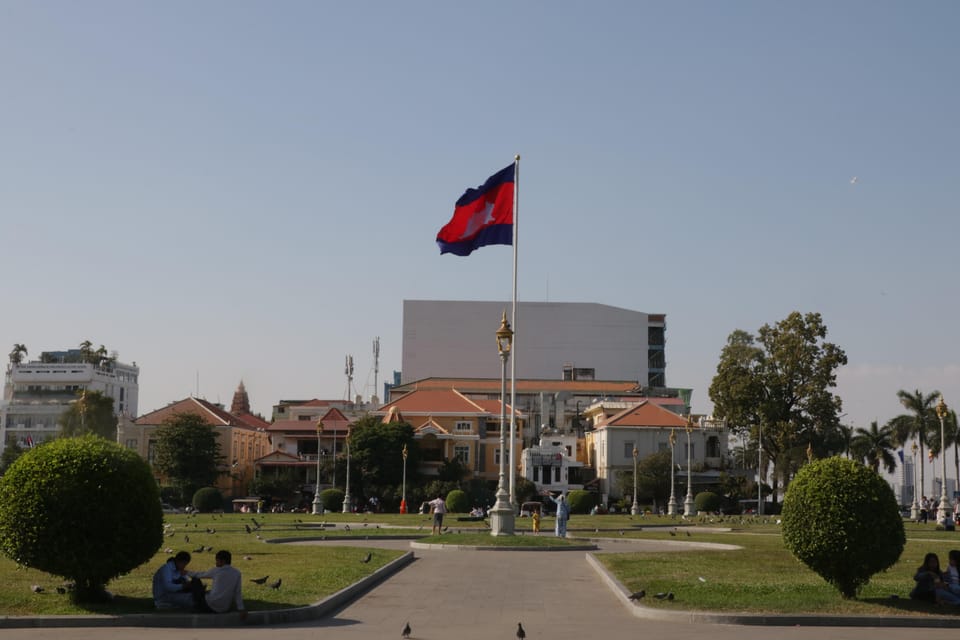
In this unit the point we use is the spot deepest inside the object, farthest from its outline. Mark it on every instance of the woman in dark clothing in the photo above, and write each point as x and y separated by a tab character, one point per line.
928	579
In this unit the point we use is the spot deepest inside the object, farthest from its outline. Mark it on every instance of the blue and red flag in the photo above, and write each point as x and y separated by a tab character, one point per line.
481	216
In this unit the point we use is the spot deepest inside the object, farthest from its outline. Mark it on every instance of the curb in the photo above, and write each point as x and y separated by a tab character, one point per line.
772	620
468	547
222	620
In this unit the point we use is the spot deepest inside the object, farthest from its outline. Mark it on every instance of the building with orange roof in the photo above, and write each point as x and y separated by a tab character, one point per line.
449	425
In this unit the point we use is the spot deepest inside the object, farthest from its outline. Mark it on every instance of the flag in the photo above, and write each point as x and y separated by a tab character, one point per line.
30	442
481	216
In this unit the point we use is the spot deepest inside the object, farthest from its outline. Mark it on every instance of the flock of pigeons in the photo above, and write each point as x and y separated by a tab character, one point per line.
521	632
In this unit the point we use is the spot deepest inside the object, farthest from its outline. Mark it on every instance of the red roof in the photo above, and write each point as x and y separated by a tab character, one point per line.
252	421
645	414
211	414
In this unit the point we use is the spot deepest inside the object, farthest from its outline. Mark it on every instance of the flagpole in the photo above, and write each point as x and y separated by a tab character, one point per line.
513	360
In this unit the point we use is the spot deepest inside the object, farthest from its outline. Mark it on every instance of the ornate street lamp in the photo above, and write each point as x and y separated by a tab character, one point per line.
688	503
501	516
672	505
945	510
347	500
635	508
317	505
915	507
403	491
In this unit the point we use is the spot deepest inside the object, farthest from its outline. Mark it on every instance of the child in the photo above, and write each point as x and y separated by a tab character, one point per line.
536	521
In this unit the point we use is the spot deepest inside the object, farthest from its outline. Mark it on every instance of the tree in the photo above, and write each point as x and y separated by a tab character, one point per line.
10	454
84	509
653	478
91	412
833	516
875	446
18	353
86	351
376	456
781	380
188	453
919	422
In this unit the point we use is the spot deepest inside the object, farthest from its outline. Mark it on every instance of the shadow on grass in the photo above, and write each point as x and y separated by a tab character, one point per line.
123	605
907	605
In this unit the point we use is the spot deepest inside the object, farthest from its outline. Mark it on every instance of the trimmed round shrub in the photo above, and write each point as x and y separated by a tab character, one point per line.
207	499
84	509
581	501
332	500
458	501
842	520
707	501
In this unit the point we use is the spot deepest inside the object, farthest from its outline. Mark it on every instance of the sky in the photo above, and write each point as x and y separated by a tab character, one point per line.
226	191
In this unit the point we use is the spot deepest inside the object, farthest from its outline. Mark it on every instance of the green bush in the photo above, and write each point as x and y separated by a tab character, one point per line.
207	499
458	501
707	501
84	509
581	501
842	520
332	500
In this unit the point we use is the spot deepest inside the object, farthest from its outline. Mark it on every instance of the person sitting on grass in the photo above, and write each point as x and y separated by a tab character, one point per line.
171	584
226	591
930	585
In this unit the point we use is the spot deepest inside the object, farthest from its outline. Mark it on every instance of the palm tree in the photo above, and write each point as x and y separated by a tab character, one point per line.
845	431
875	445
86	351
19	351
921	421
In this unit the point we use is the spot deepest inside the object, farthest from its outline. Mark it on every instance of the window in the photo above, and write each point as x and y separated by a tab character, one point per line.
152	451
713	447
536	473
463	426
132	443
462	453
628	449
496	456
556	475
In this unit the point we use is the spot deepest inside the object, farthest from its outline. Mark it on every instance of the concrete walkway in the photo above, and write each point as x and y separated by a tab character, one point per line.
469	595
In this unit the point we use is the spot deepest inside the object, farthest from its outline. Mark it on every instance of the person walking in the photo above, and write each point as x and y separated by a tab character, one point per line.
439	507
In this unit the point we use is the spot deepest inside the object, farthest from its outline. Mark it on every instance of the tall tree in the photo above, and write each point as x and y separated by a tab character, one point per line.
376	455
18	353
653	479
875	446
920	422
92	412
781	380
86	351
188	453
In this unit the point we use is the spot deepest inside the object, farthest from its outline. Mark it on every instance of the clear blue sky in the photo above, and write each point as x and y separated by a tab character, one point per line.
250	189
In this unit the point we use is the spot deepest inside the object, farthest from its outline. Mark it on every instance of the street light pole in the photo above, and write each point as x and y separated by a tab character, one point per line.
759	466
915	507
635	508
502	515
688	503
403	491
945	510
317	505
347	500
672	505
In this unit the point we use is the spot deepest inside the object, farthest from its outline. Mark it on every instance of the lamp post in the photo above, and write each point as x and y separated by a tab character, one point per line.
635	508
915	507
759	466
317	505
403	491
347	500
945	510
501	516
688	503
672	505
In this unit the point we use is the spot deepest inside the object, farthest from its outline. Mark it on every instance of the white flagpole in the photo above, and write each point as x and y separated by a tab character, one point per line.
513	360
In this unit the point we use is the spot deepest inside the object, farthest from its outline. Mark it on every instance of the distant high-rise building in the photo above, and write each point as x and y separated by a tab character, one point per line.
35	394
554	340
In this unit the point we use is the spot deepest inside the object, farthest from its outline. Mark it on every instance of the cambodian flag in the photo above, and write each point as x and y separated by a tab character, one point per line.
481	216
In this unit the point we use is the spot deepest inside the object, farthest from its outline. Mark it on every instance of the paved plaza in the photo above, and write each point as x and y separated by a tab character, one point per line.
473	595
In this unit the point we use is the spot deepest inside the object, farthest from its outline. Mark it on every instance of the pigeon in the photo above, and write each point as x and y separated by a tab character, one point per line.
636	595
259	537
521	634
199	549
621	531
670	596
247	527
248	557
276	585
262	580
209	530
445	529
61	590
346	527
366	558
660	596
406	631
853	180
208	549
36	588
688	534
672	533
186	538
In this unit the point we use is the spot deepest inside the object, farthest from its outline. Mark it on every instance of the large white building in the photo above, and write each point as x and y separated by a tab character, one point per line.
35	394
554	340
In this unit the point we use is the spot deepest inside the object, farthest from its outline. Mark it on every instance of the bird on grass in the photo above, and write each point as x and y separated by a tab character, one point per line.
366	558
521	634
186	538
276	585
247	527
672	533
637	595
248	557
61	590
262	580
36	588
664	596
406	631
199	549
346	527
688	534
209	530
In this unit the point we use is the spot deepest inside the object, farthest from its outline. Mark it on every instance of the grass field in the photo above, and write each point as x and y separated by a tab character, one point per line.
760	577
